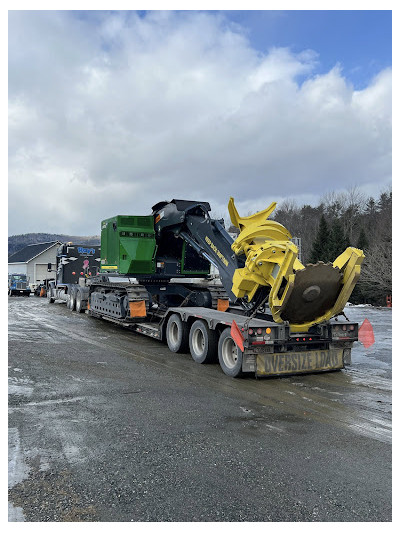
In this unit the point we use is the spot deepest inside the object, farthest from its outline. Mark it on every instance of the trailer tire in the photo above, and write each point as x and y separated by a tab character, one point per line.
203	343
79	302
177	334
229	355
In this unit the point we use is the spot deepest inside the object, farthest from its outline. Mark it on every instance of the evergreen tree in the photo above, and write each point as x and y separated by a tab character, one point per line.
321	245
362	242
371	207
337	240
385	201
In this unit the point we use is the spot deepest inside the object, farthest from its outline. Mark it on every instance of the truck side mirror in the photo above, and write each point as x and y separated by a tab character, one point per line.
48	267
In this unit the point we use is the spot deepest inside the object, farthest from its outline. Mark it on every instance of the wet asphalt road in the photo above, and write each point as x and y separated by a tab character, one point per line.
107	425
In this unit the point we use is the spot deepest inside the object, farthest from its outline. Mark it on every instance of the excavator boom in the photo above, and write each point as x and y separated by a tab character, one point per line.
262	263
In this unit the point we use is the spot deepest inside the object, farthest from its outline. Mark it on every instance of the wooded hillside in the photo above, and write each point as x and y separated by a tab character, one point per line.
17	242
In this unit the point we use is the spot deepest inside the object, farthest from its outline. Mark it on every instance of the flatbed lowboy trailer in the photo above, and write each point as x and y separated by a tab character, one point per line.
267	349
268	314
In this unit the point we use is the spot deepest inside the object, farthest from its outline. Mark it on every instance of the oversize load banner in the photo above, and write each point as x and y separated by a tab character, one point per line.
283	363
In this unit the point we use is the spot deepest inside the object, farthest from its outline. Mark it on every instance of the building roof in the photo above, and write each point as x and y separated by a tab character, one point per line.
31	251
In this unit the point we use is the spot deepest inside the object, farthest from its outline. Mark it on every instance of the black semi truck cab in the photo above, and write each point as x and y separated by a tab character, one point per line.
75	265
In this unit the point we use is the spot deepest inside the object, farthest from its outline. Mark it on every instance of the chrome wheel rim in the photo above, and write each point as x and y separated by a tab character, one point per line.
198	342
229	353
174	333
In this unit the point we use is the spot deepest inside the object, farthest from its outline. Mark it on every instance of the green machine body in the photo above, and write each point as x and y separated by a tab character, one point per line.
128	245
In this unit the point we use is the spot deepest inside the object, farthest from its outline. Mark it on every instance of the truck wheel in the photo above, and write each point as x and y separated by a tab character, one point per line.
177	334
71	304
229	355
79	302
203	343
49	298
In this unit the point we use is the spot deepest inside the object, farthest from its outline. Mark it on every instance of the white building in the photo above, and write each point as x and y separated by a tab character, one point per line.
33	260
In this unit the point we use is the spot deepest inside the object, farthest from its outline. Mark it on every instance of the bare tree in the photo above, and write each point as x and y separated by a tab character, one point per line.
355	203
376	272
334	204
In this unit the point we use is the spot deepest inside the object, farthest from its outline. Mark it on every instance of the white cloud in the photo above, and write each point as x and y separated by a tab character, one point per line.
111	113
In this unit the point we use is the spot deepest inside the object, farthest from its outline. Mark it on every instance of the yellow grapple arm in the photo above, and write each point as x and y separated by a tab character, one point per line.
301	295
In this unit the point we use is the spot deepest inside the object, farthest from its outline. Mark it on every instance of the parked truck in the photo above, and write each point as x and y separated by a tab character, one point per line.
18	285
75	265
267	314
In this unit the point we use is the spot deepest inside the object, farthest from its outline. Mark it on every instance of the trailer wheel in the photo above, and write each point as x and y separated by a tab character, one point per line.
71	304
79	302
203	343
177	334
229	355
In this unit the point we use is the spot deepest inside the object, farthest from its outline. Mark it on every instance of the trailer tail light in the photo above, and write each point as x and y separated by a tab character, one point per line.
251	331
343	327
73	273
344	331
259	331
304	339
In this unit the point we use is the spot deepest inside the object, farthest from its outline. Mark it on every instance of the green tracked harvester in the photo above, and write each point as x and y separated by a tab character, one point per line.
128	245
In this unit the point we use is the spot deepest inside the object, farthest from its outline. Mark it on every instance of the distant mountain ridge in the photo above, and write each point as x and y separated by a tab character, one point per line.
17	242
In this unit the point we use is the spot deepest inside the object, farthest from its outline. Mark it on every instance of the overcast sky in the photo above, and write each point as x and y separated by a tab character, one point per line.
112	112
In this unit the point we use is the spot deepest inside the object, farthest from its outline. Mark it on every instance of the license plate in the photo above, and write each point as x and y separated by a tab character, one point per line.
299	362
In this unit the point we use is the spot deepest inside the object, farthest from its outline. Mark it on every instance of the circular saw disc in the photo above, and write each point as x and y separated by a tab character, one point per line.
316	289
